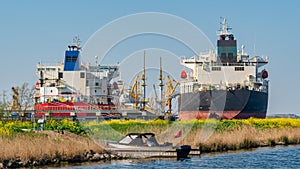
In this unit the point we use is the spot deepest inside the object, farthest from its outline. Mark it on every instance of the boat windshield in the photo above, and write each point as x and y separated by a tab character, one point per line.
128	139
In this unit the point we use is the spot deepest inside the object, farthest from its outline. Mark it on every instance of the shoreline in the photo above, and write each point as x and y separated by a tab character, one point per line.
50	147
76	159
86	151
93	158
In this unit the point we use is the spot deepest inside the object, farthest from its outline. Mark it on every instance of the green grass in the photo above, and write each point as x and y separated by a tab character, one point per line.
208	135
115	129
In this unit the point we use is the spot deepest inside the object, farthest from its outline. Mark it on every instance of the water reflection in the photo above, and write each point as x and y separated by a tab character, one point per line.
277	157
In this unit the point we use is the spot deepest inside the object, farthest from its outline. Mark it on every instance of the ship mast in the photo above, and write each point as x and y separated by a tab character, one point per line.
144	82
224	29
161	85
76	42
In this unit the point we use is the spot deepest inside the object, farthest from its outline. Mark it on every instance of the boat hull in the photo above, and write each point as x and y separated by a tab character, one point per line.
223	104
121	146
159	152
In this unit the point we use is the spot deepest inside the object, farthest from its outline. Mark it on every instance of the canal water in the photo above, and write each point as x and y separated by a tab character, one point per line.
277	157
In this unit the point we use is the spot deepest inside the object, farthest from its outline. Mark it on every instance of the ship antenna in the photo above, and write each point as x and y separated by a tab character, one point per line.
254	46
224	29
76	42
96	58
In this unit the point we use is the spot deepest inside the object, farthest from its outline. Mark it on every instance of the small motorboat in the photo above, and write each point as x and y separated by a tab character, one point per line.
138	140
145	145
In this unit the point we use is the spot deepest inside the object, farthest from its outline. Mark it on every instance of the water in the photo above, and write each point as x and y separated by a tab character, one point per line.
278	157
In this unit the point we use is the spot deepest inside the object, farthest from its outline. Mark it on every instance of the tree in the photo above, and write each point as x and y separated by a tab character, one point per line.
4	105
25	98
2	108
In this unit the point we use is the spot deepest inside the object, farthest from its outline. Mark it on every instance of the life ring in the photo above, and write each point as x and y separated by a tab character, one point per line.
264	74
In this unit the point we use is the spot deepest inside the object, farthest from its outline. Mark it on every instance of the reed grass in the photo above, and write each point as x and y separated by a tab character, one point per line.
243	137
208	135
44	145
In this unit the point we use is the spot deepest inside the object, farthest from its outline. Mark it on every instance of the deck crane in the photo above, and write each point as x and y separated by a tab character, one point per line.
170	89
121	89
134	91
15	105
154	88
156	104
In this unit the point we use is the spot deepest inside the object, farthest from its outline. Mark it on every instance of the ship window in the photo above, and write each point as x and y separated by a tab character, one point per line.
74	59
216	68
50	69
82	75
223	55
97	84
40	69
230	55
60	75
239	68
68	59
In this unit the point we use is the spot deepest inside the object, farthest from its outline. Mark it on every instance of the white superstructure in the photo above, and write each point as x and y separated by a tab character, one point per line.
74	81
225	68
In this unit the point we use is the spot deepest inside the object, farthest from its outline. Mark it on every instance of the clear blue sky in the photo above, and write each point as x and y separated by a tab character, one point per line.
34	30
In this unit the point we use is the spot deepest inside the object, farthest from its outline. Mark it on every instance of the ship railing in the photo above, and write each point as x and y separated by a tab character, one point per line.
90	107
195	87
233	64
218	63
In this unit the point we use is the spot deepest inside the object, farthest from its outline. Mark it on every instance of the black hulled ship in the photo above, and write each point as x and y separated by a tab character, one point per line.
225	83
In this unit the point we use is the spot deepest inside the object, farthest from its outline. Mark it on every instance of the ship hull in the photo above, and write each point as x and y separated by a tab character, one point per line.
82	109
223	104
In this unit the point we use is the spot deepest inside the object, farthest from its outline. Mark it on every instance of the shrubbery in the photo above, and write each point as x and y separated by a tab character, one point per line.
8	128
125	126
